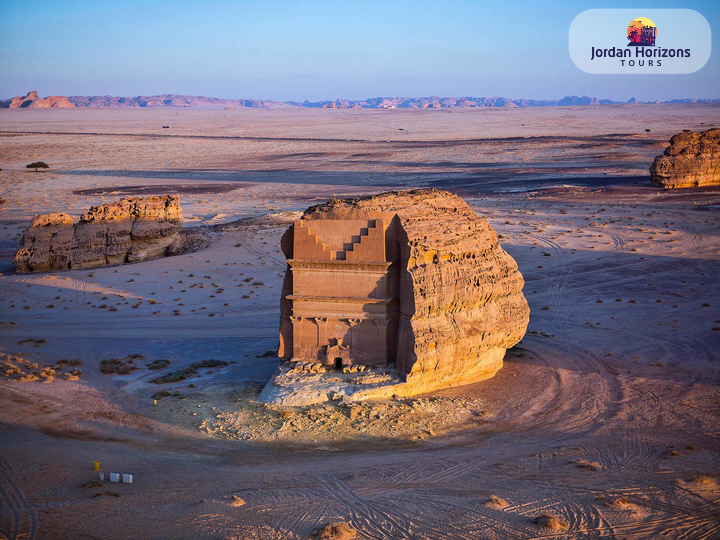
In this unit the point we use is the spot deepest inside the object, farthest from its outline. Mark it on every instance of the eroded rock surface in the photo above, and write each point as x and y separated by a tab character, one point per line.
456	296
691	160
130	230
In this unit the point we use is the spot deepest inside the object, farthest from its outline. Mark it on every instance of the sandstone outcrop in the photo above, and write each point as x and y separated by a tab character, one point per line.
424	275
130	230
33	101
691	160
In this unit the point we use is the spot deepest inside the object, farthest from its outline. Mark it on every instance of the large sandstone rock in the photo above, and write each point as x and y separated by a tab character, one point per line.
32	101
458	294
691	160
130	230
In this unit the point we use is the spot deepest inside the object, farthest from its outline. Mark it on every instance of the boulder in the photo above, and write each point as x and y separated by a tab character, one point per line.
691	160
130	230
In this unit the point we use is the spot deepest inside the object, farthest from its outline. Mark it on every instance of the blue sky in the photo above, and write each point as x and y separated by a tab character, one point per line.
289	50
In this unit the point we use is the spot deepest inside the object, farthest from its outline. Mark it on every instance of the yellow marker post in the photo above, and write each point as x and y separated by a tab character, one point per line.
155	402
96	466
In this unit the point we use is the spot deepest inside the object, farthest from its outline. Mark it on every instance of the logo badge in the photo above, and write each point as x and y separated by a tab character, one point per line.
683	47
641	32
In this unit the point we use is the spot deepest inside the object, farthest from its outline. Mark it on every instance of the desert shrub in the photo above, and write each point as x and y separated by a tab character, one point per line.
116	365
159	364
37	165
589	465
336	531
107	494
551	522
703	479
621	503
37	342
173	376
74	375
496	502
184	373
208	364
93	484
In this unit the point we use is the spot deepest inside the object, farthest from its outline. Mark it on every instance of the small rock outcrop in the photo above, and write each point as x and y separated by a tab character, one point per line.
691	160
129	230
424	286
32	101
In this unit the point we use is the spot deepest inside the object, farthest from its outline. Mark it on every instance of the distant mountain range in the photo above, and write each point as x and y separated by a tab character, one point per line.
432	102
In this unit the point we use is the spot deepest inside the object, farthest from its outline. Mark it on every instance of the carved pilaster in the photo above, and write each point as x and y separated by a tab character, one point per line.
321	323
381	325
354	336
297	337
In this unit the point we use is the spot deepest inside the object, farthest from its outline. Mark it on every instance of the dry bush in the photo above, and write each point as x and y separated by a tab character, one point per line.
158	364
186	372
70	362
37	342
237	501
588	465
107	494
703	479
496	502
621	503
92	484
551	522
336	531
73	375
116	365
174	376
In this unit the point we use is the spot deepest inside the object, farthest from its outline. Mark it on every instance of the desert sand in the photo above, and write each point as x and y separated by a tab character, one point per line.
604	417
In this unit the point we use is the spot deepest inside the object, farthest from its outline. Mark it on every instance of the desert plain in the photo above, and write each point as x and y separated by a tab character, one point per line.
604	416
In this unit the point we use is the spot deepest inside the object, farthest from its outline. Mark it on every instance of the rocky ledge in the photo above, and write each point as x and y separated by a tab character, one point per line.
691	160
129	230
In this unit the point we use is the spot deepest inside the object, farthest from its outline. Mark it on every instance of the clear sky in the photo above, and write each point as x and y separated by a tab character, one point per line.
297	50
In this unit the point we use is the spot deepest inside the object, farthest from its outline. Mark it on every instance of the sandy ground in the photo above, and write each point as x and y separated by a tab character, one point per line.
605	415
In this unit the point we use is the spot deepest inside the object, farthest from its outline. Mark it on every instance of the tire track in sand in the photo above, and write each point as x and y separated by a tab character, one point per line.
20	510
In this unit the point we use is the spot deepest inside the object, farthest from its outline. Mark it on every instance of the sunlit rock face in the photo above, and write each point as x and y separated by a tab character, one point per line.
691	160
129	230
411	278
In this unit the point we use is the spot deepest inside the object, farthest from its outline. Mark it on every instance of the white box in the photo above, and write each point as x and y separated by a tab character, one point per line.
127	478
114	477
101	476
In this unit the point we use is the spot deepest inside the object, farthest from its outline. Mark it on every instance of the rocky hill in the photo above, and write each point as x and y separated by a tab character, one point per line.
32	101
